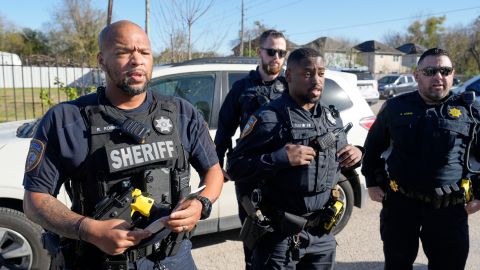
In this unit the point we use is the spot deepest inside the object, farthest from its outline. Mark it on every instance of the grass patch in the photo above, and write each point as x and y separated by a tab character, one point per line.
25	103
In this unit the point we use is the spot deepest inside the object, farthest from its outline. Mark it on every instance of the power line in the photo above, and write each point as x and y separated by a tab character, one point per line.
382	22
275	9
233	13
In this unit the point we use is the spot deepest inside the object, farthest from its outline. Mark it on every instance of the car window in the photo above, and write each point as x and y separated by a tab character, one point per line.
388	79
402	80
198	89
235	76
333	94
410	79
364	76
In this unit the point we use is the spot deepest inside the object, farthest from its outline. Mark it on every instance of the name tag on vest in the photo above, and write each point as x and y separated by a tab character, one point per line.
302	125
105	129
121	158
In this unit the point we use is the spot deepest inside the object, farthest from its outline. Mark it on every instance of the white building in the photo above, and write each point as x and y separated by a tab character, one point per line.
10	59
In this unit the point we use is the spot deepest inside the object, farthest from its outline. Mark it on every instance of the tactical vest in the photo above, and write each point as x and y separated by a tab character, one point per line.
255	96
157	167
430	141
322	173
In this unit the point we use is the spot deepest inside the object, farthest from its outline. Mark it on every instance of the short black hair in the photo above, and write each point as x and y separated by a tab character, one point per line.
302	53
270	33
433	52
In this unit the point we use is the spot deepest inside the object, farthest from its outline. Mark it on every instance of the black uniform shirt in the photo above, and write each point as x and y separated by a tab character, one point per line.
61	143
424	145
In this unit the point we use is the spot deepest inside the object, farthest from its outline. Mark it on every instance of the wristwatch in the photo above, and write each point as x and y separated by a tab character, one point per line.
206	206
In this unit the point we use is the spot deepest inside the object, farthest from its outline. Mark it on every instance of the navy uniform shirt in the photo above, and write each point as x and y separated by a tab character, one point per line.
61	142
245	97
426	143
260	154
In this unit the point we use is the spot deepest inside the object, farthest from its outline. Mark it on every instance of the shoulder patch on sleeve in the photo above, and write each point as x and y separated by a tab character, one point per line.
248	126
35	154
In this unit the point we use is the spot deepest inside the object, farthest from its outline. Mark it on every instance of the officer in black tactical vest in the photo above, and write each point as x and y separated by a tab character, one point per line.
418	165
258	88
293	149
123	156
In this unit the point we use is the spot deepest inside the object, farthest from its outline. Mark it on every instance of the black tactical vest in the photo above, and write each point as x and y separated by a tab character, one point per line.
322	173
256	95
429	140
157	166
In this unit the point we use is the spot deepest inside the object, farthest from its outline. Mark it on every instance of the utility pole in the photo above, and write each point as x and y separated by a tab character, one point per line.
147	15
109	13
249	45
241	33
172	48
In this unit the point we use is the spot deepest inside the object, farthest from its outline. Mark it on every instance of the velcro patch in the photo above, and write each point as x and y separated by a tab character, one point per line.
249	126
35	154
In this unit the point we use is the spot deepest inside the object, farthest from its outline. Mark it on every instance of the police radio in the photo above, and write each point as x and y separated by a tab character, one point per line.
326	141
136	130
468	96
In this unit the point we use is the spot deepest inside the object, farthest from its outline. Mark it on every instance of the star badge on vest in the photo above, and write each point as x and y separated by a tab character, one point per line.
164	125
35	154
248	126
454	112
393	185
330	118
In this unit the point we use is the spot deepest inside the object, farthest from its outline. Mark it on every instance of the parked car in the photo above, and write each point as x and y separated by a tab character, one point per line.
392	85
472	84
367	85
205	84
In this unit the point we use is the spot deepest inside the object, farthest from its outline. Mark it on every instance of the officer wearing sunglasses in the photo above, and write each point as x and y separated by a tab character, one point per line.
425	182
258	88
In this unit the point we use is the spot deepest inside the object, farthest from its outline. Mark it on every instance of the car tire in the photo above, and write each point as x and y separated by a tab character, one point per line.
346	195
20	242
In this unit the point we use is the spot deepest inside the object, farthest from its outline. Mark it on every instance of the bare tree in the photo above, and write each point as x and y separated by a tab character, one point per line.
474	47
394	39
74	30
190	11
171	32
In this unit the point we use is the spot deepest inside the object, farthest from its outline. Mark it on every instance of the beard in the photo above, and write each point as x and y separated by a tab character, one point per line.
126	88
271	70
309	99
132	91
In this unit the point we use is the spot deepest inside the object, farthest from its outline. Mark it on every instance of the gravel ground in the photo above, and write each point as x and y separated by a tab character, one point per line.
359	245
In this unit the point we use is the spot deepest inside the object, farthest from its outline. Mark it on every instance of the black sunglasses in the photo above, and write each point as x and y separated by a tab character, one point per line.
432	71
272	52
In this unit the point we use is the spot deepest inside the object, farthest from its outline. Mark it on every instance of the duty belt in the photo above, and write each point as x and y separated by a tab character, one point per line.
448	195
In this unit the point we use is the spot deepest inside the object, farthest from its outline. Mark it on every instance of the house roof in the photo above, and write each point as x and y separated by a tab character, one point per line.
376	47
412	48
326	44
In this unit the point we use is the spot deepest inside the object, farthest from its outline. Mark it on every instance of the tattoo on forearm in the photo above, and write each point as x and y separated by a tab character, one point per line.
54	216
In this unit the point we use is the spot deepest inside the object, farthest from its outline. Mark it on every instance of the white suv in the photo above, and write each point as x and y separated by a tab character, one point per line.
367	85
205	84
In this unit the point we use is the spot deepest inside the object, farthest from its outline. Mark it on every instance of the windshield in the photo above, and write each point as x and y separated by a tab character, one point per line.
388	79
